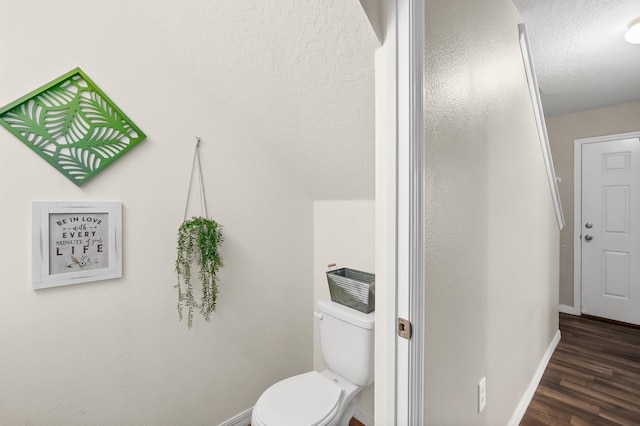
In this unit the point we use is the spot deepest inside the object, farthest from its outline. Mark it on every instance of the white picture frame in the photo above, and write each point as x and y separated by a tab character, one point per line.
75	242
541	125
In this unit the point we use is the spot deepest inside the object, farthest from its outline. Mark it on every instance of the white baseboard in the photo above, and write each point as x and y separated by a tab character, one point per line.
363	417
565	309
518	414
242	419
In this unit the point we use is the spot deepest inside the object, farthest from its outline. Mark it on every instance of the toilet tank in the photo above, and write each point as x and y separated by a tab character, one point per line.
347	341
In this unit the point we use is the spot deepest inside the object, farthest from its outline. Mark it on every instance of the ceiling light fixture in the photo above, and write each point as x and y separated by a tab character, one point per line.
633	33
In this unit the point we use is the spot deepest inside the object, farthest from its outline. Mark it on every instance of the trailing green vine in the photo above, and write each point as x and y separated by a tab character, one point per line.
199	241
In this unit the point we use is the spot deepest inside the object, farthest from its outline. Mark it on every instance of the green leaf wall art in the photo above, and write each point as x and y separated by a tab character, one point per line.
73	125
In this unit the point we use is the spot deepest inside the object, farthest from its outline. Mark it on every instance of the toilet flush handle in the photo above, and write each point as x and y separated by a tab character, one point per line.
318	315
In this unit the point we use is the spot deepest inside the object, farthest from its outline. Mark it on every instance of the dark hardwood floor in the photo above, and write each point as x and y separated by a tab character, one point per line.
355	422
593	377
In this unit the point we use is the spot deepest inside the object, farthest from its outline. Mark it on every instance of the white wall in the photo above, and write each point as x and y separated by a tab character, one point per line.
344	234
114	352
563	131
492	238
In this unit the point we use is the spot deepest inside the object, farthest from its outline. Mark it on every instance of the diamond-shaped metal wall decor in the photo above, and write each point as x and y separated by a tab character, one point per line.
73	125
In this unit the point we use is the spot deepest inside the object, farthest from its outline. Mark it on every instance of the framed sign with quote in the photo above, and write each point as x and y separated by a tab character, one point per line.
75	242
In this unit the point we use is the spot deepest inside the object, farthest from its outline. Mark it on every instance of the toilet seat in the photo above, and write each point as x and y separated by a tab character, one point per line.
307	399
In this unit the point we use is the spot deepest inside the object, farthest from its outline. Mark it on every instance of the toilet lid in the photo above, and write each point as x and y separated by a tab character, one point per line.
307	399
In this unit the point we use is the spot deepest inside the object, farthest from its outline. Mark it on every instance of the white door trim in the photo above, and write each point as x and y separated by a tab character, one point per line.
416	228
405	358
536	102
577	210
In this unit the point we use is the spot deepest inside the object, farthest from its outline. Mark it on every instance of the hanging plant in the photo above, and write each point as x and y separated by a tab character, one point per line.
199	241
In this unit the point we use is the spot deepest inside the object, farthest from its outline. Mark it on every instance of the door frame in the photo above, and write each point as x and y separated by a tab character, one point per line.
405	359
577	210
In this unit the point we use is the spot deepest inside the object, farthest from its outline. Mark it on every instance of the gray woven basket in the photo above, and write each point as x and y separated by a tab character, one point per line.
355	289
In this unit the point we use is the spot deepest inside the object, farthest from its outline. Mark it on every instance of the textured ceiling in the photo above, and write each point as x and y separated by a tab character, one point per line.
301	75
581	59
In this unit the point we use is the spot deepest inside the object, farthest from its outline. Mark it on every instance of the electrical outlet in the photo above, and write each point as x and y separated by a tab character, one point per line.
482	394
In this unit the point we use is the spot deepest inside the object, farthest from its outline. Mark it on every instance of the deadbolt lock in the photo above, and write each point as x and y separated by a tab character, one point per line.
588	225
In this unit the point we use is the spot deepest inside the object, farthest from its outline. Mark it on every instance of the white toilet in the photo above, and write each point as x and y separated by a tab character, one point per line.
325	398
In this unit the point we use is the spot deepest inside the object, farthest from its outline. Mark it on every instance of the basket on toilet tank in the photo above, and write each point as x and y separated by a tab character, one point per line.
355	289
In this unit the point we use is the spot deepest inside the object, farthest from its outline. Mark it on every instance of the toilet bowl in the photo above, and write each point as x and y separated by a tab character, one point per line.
309	399
325	398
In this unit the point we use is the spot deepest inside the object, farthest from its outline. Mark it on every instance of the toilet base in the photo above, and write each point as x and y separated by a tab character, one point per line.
349	404
348	414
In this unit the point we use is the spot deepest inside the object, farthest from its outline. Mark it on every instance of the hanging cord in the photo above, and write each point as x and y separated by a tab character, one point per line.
203	200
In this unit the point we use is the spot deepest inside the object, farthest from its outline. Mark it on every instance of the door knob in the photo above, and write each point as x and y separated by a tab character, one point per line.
588	225
588	237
